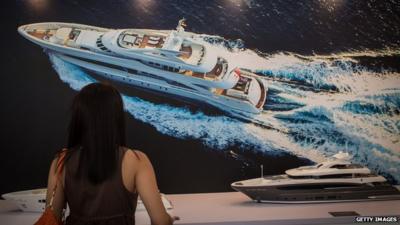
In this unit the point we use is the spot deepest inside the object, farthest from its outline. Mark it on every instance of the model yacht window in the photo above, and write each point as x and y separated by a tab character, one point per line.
346	166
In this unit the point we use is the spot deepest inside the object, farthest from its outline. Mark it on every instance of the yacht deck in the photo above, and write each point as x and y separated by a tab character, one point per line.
43	34
136	40
218	70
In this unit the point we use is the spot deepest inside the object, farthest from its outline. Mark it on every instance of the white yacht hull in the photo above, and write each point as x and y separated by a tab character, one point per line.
315	191
156	86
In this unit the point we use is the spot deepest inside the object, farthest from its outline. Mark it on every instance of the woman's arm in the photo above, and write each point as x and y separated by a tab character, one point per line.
59	199
146	186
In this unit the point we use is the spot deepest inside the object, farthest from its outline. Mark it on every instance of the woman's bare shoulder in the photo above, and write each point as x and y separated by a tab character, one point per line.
135	155
57	157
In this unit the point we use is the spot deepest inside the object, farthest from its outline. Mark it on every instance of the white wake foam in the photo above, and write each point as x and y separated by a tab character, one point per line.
219	132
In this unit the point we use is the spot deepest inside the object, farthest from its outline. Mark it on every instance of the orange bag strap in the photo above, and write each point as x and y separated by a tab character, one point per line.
59	168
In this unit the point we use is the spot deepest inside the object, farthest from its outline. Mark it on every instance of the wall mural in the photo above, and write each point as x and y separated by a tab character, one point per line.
330	68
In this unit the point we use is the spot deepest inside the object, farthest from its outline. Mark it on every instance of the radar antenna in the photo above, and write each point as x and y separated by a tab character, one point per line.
181	25
262	171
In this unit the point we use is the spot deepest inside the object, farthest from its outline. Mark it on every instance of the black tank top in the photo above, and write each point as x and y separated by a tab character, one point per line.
107	203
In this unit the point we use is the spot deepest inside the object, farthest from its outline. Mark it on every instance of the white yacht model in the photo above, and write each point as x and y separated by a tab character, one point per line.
174	62
335	180
35	200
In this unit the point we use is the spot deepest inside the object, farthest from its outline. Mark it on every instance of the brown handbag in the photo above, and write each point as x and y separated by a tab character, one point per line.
48	217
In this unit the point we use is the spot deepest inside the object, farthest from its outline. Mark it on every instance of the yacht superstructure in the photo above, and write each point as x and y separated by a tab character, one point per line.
173	62
335	180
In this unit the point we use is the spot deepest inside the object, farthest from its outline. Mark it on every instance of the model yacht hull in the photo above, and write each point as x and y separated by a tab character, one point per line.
316	192
334	180
139	74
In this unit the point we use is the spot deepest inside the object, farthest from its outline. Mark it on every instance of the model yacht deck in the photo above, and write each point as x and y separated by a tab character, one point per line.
335	180
174	62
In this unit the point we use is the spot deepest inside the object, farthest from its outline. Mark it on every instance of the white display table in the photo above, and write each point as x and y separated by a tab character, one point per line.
235	208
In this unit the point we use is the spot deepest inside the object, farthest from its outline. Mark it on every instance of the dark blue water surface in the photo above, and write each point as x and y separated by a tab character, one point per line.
332	68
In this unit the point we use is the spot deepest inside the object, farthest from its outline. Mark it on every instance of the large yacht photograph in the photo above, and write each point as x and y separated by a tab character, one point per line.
173	62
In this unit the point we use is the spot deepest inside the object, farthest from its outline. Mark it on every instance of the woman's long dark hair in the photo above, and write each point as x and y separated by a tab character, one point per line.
97	129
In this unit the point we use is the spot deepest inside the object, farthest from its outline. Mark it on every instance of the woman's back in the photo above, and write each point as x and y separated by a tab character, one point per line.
101	176
109	201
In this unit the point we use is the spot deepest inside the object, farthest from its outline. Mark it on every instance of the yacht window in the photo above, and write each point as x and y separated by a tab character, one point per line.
315	186
336	176
132	71
243	84
364	175
339	166
356	166
301	177
202	86
346	166
178	84
99	63
381	184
